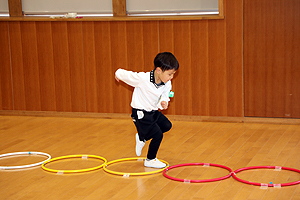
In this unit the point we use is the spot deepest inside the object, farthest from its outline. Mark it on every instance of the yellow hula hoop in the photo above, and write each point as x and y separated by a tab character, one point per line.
74	171
132	174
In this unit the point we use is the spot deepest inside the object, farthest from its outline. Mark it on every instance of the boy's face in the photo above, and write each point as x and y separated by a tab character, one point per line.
165	76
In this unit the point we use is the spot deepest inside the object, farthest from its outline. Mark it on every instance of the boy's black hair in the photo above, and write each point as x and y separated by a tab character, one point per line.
166	61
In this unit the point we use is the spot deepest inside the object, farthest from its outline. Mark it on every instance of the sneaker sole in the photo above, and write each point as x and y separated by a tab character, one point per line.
155	167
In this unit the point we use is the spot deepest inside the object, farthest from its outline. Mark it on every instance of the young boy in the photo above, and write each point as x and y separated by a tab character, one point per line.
151	92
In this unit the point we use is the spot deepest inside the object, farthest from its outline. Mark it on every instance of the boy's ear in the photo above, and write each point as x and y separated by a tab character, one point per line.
158	70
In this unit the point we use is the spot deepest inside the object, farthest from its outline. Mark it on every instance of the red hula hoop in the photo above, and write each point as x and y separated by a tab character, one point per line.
265	167
197	181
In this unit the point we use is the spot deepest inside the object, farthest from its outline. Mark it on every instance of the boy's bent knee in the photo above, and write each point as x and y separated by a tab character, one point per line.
167	127
158	135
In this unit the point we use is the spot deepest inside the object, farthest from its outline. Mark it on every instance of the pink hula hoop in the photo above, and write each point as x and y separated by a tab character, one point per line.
197	181
265	167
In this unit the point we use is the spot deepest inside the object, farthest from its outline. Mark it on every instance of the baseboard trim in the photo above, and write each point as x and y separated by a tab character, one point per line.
65	114
172	117
260	120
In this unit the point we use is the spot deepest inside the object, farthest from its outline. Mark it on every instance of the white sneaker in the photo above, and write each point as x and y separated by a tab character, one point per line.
139	145
154	163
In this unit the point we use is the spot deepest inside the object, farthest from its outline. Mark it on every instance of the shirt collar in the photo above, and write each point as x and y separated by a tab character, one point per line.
152	80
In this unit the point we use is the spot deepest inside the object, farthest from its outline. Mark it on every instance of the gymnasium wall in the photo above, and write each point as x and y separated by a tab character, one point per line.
68	66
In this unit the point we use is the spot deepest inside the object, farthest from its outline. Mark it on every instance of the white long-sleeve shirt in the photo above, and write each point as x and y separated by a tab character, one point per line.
147	95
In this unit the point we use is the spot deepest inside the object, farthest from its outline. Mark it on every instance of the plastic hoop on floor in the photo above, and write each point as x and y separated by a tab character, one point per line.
197	181
132	174
74	171
24	153
267	184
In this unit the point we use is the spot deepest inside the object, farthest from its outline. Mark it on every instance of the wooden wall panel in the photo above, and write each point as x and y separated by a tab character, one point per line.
61	66
252	58
150	43
46	66
104	68
217	69
17	66
166	36
135	46
199	63
77	78
234	60
119	57
6	97
88	31
183	81
271	61
30	66
292	52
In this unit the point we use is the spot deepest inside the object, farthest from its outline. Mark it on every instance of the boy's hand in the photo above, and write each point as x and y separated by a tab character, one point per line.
164	104
116	78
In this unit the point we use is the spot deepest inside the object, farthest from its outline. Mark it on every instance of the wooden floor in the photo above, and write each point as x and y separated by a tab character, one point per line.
235	145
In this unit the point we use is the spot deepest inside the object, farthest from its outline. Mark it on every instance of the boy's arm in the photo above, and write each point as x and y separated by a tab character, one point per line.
117	78
164	99
164	105
129	77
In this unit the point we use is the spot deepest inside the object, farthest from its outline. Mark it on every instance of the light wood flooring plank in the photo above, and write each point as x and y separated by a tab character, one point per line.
235	145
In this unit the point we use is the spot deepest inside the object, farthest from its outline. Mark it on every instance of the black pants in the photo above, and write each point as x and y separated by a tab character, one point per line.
151	125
